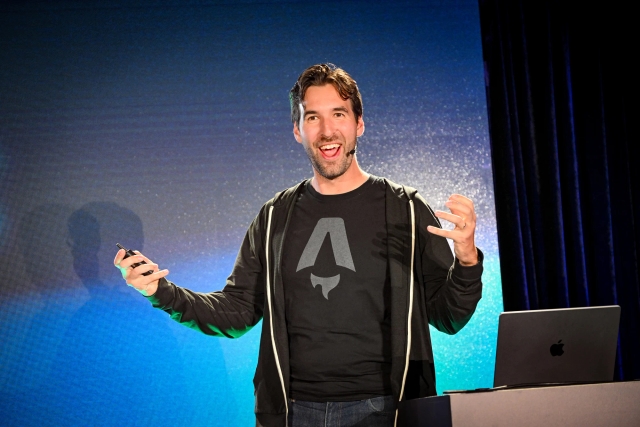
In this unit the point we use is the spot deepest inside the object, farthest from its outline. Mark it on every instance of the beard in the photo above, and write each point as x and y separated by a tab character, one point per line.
334	169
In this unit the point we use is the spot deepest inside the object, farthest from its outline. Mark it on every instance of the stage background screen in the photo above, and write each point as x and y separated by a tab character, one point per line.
165	126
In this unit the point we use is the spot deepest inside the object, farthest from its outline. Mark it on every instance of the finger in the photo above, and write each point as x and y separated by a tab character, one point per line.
143	268
462	199
147	260
127	262
156	276
449	234
463	203
458	208
119	257
455	219
160	274
143	282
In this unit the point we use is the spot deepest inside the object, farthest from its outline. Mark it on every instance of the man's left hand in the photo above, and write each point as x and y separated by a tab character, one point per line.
463	216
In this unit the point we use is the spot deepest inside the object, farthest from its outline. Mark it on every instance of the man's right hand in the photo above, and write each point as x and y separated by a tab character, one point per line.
146	285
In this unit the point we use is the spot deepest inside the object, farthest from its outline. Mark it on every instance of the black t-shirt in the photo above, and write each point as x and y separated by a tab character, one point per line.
336	286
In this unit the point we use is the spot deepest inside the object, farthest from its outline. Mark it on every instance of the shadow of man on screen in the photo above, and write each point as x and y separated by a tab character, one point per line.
119	363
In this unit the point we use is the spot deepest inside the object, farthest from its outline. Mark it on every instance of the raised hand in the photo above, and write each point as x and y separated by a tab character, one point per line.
463	216
146	285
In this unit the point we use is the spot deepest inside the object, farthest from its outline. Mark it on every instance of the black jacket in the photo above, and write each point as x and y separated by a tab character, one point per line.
443	293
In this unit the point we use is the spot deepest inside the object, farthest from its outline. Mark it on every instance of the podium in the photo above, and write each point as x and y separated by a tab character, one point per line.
605	404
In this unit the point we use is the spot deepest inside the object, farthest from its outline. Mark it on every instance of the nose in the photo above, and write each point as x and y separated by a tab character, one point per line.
327	129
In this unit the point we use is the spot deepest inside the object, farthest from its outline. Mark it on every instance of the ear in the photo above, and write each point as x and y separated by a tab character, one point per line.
296	133
360	127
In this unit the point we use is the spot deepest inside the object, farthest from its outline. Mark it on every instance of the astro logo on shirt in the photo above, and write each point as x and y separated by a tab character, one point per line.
341	251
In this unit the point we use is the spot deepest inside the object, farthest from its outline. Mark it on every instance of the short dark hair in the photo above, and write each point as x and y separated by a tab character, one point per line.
320	75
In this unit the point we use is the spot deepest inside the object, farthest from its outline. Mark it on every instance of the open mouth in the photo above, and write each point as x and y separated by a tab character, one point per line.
330	151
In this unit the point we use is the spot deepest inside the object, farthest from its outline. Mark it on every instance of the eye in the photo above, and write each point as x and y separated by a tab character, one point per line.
312	118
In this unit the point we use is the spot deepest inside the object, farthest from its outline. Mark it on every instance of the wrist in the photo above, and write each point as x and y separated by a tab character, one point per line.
468	260
149	290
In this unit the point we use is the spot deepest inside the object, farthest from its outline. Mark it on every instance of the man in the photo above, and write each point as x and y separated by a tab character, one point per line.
345	319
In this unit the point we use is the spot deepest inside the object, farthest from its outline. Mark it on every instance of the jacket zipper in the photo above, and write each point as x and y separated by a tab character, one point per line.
273	341
413	246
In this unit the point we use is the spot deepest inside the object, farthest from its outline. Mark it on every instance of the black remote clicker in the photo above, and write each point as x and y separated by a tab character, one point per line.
128	253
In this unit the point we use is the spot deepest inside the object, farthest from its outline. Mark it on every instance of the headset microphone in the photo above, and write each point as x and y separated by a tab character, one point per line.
352	152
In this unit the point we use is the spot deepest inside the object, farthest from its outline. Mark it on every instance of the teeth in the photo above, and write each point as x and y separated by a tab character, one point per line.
330	146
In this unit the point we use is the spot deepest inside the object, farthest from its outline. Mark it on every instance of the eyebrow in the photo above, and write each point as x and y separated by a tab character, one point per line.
343	109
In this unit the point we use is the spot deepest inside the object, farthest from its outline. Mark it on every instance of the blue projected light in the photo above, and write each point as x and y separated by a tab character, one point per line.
165	126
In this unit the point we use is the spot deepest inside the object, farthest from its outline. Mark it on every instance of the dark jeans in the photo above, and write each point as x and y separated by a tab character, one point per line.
374	412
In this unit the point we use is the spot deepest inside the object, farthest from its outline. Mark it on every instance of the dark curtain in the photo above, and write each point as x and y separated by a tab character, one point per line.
559	91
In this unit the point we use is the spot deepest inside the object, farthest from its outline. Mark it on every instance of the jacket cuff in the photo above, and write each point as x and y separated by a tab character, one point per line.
162	295
468	274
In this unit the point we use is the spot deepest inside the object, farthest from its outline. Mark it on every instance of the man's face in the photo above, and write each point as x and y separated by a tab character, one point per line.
328	130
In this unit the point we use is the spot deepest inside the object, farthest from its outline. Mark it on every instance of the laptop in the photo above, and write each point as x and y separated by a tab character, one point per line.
566	345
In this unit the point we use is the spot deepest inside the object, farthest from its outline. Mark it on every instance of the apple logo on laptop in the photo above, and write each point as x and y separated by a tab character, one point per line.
556	349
